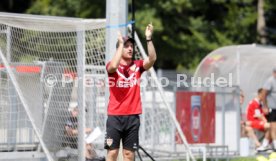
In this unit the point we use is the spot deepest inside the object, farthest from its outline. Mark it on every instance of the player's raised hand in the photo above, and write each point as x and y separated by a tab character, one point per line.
149	31
120	38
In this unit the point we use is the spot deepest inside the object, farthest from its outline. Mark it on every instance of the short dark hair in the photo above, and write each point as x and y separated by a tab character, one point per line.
126	39
260	90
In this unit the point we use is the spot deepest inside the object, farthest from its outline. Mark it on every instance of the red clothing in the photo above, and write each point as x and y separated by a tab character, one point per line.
255	109
124	88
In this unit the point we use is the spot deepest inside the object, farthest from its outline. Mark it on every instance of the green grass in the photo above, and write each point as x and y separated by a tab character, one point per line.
244	159
233	159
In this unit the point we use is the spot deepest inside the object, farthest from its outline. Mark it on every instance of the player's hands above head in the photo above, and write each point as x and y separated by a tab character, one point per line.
149	31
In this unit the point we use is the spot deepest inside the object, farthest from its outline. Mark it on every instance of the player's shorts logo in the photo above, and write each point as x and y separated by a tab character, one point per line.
135	146
109	141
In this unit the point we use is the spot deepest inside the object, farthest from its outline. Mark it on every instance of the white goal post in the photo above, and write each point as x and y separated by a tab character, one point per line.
47	64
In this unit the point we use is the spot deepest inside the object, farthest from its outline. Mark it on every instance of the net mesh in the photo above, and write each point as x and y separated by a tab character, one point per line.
43	54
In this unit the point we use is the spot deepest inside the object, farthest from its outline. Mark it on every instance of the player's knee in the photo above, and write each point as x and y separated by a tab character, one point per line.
248	129
266	126
89	147
113	154
129	155
273	124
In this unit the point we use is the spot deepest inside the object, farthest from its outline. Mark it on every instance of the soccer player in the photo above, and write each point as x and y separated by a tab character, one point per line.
256	120
71	131
270	104
124	104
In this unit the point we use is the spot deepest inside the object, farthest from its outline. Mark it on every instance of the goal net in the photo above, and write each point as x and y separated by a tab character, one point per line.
50	66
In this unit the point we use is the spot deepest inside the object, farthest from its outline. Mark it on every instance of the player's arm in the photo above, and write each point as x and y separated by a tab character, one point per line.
265	107
266	123
70	131
149	61
88	130
262	118
115	61
258	114
73	132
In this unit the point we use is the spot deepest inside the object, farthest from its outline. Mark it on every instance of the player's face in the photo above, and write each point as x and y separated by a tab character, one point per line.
274	74
262	96
128	50
75	113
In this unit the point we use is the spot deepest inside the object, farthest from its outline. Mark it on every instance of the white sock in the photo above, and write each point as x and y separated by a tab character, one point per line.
266	142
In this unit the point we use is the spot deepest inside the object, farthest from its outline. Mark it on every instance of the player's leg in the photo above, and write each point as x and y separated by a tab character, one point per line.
273	133
128	155
272	119
243	131
112	137
112	155
267	138
251	134
131	137
265	143
90	151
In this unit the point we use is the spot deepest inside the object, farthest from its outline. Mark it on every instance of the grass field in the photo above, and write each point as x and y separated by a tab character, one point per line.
233	159
244	159
236	159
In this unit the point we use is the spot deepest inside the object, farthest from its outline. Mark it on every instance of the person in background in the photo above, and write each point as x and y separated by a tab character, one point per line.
270	104
256	120
71	131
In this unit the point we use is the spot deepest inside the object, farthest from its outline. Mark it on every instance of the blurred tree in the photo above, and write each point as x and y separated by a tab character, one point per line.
192	28
70	8
261	23
270	28
15	6
185	30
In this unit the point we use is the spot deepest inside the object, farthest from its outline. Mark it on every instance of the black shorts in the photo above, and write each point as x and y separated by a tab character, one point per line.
125	128
272	116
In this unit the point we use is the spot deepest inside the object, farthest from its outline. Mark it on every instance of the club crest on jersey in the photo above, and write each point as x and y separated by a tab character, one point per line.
109	141
133	67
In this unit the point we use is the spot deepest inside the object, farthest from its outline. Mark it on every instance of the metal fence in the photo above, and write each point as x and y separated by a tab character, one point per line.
159	141
227	116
